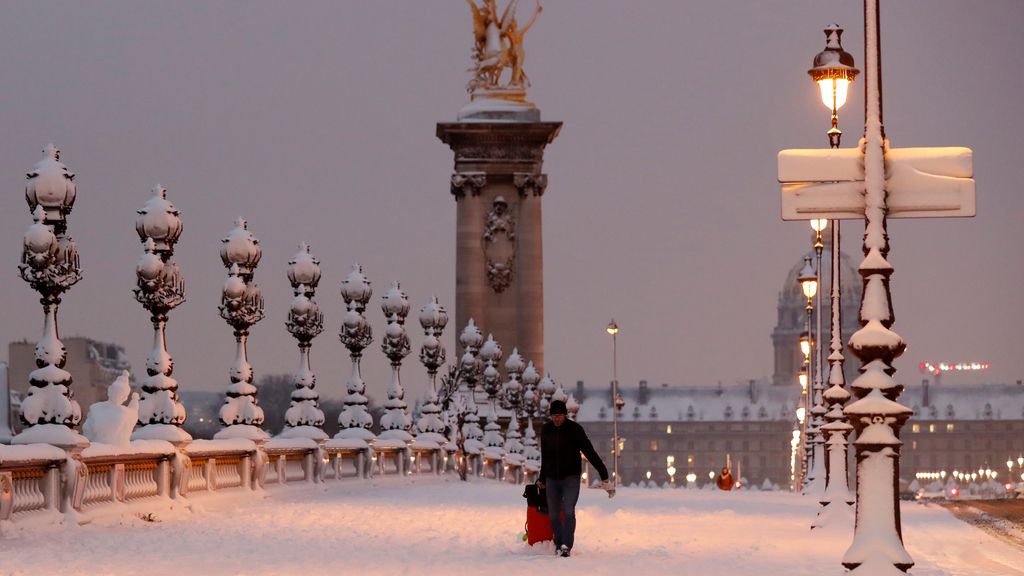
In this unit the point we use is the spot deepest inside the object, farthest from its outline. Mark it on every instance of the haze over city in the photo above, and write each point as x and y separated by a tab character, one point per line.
316	122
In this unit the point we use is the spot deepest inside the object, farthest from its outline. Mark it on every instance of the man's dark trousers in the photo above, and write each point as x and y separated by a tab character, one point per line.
562	496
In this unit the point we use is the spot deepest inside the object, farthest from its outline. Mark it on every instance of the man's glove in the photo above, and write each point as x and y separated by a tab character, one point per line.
608	487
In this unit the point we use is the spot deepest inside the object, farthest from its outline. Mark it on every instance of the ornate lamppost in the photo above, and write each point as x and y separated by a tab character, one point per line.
49	263
160	289
491	353
533	397
471	367
241	307
433	319
512	390
355	420
817	475
395	422
834	71
808	280
617	401
304	419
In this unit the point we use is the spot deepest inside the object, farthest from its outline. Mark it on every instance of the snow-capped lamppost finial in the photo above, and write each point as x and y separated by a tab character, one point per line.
160	289
395	422
241	307
49	263
304	419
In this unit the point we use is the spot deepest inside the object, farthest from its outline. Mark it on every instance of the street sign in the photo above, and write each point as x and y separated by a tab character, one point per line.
920	183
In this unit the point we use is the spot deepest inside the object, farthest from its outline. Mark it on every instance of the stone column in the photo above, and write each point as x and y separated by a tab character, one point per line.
498	185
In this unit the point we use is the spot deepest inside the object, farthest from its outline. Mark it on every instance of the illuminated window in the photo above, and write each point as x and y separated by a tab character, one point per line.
689	459
913	445
931	427
670	460
949	427
668	429
654	445
915	428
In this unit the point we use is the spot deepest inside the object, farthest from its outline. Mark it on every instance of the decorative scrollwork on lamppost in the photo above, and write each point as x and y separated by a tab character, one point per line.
304	418
241	307
433	318
355	420
160	289
49	263
395	422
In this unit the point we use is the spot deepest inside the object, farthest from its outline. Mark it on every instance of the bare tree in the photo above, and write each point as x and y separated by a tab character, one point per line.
453	404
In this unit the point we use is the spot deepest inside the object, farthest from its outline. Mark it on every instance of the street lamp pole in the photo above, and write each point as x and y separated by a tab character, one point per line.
808	280
617	402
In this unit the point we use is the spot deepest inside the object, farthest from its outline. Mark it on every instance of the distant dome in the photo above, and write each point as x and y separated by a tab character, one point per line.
791	294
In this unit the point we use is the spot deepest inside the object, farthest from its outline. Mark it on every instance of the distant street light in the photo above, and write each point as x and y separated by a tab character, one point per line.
617	400
808	280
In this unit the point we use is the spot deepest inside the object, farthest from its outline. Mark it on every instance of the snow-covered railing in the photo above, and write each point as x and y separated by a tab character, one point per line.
222	464
295	464
34	478
29	486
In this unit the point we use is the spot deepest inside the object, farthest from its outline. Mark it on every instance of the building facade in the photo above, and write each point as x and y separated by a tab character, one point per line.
694	429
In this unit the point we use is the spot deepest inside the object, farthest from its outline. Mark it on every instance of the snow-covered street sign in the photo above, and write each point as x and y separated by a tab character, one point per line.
920	183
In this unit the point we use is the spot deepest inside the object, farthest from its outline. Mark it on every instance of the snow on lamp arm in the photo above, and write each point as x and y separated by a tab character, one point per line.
304	418
160	289
395	422
241	307
49	263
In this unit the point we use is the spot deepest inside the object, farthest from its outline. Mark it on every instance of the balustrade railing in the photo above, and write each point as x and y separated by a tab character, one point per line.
34	485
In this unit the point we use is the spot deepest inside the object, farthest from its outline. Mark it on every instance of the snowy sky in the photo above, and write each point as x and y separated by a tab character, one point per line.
316	121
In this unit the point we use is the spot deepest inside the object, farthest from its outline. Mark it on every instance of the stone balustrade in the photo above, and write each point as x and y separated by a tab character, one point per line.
35	478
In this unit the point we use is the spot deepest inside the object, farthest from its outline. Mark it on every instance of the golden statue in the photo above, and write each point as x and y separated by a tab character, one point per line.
498	46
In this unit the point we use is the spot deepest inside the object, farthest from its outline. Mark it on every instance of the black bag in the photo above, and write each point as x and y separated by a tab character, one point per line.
536	498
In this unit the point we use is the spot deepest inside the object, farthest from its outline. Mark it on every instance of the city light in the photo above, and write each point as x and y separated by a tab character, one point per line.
936	369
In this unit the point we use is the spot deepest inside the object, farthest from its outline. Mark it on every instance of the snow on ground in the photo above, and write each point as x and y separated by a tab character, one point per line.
438	525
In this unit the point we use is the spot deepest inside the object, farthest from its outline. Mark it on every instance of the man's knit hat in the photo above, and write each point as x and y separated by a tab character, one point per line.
558	407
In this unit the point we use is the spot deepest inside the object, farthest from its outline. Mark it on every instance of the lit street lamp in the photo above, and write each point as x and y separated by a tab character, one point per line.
833	71
808	280
617	400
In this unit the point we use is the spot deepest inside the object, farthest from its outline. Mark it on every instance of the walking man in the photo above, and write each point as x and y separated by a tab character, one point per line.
561	441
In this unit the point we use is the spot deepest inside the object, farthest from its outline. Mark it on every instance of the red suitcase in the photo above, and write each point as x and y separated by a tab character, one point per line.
538	526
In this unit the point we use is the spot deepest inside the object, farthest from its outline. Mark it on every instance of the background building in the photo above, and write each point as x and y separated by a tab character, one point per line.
792	315
962	427
93	366
694	428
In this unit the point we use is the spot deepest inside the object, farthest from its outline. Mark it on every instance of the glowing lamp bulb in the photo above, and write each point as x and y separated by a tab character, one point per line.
819	224
836	86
